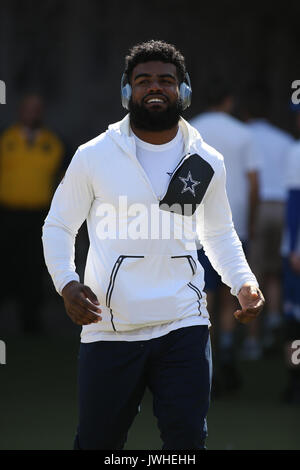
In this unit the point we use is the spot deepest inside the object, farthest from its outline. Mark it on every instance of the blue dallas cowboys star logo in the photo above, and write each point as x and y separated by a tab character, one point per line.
189	184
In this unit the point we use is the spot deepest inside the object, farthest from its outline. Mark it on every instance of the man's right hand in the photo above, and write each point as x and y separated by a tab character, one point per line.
80	303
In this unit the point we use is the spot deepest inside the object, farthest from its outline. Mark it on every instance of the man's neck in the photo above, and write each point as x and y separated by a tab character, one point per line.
156	137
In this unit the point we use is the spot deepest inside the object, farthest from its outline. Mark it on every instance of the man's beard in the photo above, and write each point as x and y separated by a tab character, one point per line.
154	119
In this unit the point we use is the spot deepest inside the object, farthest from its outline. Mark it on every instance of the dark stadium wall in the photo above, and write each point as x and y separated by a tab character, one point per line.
73	53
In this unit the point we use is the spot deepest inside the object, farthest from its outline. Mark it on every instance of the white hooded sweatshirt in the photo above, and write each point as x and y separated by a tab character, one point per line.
142	261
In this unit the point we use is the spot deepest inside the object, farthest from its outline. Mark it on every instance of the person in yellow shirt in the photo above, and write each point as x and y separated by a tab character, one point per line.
31	159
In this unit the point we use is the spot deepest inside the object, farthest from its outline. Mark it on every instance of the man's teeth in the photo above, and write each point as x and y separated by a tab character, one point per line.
155	100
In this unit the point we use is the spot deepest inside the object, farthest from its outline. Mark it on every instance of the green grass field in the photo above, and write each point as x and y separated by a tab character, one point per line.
38	407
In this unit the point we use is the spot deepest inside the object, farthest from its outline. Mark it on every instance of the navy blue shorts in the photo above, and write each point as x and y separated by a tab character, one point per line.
113	376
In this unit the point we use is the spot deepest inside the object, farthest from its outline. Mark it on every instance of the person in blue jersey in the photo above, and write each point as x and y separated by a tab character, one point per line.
291	277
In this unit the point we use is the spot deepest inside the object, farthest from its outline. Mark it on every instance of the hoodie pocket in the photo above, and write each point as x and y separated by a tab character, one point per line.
112	281
198	293
192	288
149	290
190	260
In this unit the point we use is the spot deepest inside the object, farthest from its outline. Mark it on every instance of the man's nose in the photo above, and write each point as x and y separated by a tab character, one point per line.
154	86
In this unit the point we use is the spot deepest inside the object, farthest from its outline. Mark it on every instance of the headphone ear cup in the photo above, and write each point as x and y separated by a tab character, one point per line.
185	92
125	95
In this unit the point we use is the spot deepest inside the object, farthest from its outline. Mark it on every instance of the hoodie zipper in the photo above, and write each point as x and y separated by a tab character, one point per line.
185	157
187	146
145	176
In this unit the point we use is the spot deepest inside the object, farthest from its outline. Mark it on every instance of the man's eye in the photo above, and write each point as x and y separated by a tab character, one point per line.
167	81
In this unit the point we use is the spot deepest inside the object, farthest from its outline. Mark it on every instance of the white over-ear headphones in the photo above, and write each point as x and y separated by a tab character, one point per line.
185	91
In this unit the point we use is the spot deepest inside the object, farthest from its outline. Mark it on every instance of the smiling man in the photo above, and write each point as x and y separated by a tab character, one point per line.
142	307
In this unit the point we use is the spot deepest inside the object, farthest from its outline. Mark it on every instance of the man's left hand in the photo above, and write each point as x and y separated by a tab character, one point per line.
252	301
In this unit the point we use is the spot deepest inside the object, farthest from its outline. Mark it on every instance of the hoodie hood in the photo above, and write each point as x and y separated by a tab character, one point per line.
121	133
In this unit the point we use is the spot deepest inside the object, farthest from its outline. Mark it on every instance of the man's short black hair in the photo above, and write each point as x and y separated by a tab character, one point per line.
155	50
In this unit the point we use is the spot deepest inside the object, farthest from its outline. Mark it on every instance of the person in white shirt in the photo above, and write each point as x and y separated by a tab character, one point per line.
233	140
275	145
142	307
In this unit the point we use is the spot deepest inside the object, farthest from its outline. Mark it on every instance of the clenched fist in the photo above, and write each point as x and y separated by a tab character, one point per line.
252	301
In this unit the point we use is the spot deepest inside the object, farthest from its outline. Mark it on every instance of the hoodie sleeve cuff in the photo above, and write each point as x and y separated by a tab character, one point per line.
236	289
71	277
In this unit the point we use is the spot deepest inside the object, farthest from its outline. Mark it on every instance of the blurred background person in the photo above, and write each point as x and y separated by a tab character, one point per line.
265	256
291	271
242	161
31	158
